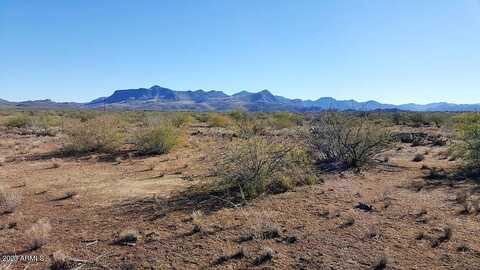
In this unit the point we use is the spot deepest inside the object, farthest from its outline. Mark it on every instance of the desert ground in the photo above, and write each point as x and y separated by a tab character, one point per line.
390	215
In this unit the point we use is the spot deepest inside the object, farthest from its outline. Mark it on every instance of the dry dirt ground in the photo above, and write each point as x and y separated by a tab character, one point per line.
317	227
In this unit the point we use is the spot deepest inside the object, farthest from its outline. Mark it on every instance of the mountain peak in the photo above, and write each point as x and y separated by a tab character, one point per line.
164	99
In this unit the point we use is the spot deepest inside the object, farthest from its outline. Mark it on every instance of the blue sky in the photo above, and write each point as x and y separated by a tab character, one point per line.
395	51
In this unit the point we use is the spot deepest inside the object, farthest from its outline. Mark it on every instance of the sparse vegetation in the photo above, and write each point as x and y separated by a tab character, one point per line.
197	220
127	237
218	120
101	134
225	192
158	139
38	234
340	142
468	128
256	165
18	120
418	158
9	200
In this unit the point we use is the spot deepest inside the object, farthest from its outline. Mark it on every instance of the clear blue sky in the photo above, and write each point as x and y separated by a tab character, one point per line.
391	51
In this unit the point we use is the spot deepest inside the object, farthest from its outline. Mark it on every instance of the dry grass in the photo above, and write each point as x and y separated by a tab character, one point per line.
340	142
9	200
6	266
101	134
38	234
198	219
128	237
59	261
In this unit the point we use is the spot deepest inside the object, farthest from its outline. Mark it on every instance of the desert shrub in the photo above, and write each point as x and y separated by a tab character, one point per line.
101	134
201	117
60	261
180	119
158	139
249	127
45	123
468	146
417	119
127	237
282	120
198	220
396	118
238	115
18	120
437	119
218	120
418	158
256	165
38	234
339	141
9	200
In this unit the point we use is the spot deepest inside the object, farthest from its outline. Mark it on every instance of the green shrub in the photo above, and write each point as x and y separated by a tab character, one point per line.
18	120
249	127
256	166
201	117
101	134
468	131
158	140
417	119
238	115
339	141
180	119
218	120
283	120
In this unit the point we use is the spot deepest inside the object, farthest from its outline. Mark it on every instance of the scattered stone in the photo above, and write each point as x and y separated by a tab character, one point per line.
364	206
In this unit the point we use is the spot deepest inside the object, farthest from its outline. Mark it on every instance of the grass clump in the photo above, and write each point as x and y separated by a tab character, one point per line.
102	134
38	234
127	237
340	141
218	120
9	201
159	140
198	219
256	165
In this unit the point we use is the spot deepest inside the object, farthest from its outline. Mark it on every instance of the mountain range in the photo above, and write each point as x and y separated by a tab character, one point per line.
164	99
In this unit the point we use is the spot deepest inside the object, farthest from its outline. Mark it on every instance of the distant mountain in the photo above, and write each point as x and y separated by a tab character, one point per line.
165	99
4	102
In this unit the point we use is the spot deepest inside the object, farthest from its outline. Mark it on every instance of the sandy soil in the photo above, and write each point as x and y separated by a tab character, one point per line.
313	227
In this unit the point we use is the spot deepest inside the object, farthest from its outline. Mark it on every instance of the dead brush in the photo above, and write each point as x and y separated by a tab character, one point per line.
38	234
347	222
381	263
445	236
55	164
9	201
261	224
373	232
230	252
198	220
60	261
6	265
127	237
265	256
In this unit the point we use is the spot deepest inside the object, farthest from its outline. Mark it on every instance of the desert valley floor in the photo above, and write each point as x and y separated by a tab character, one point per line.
386	217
